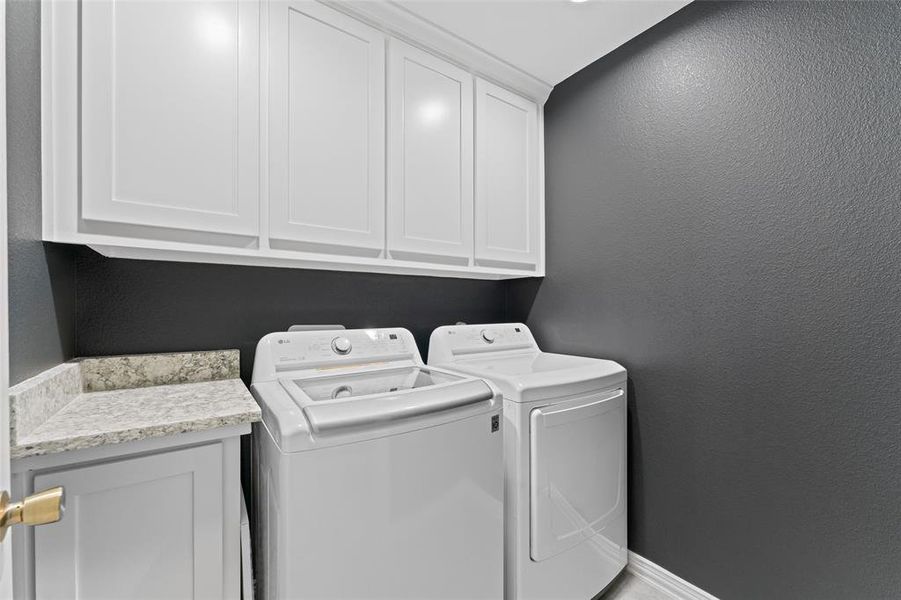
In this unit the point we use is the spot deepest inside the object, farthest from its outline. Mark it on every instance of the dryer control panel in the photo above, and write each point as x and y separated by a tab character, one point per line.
321	350
458	340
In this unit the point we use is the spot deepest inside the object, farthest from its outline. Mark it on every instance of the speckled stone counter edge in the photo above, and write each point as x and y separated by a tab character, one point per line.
35	400
167	410
145	370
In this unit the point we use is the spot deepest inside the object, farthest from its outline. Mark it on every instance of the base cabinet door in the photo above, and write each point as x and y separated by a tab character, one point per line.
169	101
147	527
429	157
326	131
507	208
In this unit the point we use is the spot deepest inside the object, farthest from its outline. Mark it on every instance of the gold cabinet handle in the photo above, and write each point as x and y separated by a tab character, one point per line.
38	509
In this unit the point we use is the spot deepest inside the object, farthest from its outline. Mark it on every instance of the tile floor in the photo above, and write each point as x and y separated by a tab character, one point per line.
629	587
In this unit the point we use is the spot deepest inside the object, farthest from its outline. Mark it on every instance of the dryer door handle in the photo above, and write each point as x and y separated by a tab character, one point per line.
558	414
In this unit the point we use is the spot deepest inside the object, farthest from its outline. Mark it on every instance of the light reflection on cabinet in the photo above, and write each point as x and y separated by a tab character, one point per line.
430	160
170	131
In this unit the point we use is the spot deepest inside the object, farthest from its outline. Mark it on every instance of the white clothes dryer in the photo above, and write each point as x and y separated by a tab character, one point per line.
376	477
565	458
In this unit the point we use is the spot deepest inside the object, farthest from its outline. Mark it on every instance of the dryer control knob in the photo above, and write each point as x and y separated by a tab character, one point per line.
341	345
488	336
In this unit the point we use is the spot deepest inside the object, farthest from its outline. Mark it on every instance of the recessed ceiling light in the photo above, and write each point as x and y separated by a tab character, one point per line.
578	1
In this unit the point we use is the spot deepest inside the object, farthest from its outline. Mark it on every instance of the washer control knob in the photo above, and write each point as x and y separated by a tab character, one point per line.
341	345
488	336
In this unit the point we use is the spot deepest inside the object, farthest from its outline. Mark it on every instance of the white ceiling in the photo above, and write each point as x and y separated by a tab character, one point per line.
549	39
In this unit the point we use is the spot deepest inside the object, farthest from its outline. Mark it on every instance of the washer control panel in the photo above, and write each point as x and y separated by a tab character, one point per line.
302	350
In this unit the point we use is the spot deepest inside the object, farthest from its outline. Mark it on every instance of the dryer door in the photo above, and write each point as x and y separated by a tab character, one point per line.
578	471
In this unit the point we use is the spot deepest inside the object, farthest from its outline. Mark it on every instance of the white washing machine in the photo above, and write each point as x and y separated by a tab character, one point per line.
376	477
565	454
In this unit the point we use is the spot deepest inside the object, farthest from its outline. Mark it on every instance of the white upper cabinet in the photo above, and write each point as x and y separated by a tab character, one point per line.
507	207
169	99
430	160
344	135
326	131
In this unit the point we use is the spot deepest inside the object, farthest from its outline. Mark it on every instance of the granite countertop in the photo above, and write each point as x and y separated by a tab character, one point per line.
109	400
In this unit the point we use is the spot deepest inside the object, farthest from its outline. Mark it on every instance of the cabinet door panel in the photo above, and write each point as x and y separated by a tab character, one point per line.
506	202
170	114
430	157
149	527
327	128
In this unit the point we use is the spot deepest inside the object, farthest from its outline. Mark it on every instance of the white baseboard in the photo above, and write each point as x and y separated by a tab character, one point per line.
673	586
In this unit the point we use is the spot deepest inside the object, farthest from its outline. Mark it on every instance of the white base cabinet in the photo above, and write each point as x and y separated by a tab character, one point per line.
290	133
151	519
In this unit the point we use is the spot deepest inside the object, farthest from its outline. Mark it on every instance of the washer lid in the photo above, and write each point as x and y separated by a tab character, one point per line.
367	383
373	397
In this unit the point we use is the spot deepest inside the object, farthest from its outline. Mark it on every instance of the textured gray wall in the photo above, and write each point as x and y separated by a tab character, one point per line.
724	218
41	276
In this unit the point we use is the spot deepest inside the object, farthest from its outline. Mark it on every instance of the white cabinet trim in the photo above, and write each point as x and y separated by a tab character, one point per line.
59	127
403	24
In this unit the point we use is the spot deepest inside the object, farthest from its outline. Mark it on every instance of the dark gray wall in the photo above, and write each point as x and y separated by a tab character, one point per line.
724	218
130	306
41	276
